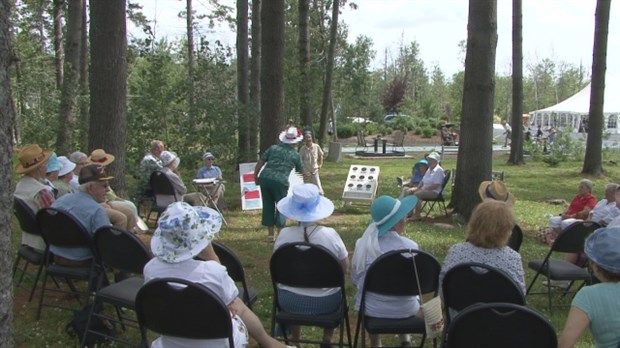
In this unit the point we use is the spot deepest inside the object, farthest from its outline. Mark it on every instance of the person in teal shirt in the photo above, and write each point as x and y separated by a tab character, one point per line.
276	164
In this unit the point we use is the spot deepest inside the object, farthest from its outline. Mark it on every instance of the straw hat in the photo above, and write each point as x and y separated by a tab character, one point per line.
306	204
31	157
495	190
100	157
291	135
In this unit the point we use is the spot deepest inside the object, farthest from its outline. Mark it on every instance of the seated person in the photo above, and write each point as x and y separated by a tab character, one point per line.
431	184
85	207
307	206
149	163
80	159
171	162
31	187
417	173
579	208
209	171
183	233
607	208
448	137
51	173
597	306
65	175
383	234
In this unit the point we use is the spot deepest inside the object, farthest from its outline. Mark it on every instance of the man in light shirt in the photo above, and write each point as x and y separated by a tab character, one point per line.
431	184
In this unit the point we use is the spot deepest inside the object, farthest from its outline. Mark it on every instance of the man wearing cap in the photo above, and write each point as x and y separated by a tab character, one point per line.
85	207
65	175
431	183
209	171
312	158
31	187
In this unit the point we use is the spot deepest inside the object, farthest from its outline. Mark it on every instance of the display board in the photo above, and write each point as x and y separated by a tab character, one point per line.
250	192
361	184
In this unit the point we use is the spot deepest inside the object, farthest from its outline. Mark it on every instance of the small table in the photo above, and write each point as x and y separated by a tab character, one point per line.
203	186
384	143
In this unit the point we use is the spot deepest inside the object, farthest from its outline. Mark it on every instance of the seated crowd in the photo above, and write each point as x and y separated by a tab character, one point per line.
182	247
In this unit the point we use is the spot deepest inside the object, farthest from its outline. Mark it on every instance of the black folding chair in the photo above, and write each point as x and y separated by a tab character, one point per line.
472	282
235	270
439	200
163	193
306	265
393	274
516	238
31	256
180	308
61	229
506	325
118	250
570	240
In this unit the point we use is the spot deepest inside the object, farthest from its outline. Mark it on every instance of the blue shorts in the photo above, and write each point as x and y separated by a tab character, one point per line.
308	305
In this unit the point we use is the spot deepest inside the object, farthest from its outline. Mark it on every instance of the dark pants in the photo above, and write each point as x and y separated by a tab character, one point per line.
271	192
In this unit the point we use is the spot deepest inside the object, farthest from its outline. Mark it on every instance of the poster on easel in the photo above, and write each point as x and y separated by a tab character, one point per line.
250	192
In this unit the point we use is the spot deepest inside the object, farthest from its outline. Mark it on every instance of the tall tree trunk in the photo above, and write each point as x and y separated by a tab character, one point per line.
108	84
243	92
329	71
474	163
7	116
84	89
58	48
272	72
255	89
592	163
516	147
305	87
68	98
191	64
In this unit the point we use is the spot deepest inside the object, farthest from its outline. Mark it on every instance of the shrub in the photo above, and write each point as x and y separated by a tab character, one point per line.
346	130
428	132
418	131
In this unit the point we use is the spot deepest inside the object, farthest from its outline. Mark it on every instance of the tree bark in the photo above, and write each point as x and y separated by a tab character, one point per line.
108	84
516	147
84	89
305	81
58	48
243	92
272	72
68	98
191	63
255	89
7	116
474	162
329	71
592	163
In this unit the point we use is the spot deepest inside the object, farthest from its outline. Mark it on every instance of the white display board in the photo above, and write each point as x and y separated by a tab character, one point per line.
361	184
250	192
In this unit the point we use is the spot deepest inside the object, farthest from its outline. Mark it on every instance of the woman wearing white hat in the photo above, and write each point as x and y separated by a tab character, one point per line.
65	175
384	234
276	164
307	206
431	184
183	233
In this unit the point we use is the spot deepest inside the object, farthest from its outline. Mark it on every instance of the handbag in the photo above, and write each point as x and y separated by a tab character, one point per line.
431	310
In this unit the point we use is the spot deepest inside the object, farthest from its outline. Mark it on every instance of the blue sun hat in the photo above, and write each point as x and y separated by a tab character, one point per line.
52	164
387	211
184	231
602	248
305	204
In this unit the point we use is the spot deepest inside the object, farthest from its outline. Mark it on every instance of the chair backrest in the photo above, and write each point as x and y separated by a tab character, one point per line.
180	308
516	238
505	325
121	250
572	238
305	265
447	173
25	216
472	282
361	141
393	274
399	138
161	185
61	229
230	260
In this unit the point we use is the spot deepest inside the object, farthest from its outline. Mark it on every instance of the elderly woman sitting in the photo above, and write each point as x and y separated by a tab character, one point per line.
579	208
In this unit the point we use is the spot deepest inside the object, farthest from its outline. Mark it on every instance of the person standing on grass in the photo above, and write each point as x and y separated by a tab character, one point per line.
312	158
507	132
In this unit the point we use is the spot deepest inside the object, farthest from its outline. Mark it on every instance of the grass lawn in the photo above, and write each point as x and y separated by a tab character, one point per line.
532	184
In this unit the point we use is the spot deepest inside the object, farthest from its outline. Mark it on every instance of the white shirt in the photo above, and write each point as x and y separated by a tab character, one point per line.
601	209
433	176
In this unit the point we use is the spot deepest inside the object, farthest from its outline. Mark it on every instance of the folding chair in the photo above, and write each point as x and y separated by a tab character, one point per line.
505	325
393	274
163	191
516	238
472	282
306	265
118	250
190	310
235	270
206	187
439	200
570	240
61	229
27	223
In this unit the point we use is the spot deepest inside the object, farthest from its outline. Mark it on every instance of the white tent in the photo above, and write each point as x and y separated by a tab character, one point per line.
573	112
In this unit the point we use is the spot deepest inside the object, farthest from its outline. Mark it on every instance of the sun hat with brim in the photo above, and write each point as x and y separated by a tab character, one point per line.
305	204
92	172
52	164
184	231
420	163
66	166
291	135
602	248
387	211
99	157
208	155
496	190
168	157
434	156
31	157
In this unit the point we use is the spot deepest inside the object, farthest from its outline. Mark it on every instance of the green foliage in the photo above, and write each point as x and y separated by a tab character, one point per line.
402	123
563	148
346	130
428	132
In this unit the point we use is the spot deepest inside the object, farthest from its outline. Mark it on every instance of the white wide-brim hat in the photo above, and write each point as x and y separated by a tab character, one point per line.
66	166
305	204
184	231
291	135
